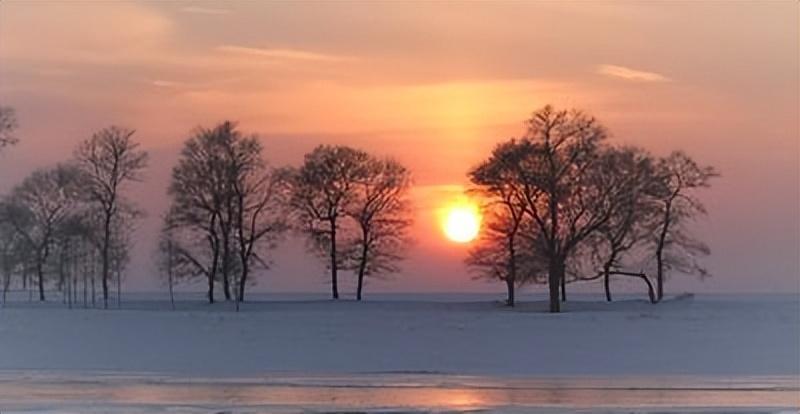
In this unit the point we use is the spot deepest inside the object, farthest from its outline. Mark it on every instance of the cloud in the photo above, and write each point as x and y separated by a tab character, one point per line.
205	10
291	54
631	74
165	83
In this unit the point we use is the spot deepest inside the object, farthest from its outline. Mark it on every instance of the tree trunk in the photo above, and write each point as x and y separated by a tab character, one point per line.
170	272
67	294
510	287
563	287
226	251
643	276
61	275
607	283
211	275
511	279
360	284
662	238
105	253
119	289
6	283
243	281
659	275
555	273
650	289
334	269
40	274
94	293
226	287
85	289
171	293
362	268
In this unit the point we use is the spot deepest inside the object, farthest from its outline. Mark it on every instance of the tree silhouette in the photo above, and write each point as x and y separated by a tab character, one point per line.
38	207
572	199
500	249
110	159
380	209
322	191
226	206
627	229
675	247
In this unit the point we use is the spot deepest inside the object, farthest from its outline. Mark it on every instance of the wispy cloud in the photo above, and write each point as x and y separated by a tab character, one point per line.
291	54
165	83
631	74
205	10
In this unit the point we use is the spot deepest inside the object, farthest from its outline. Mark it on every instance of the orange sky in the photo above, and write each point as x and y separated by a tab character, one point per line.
435	84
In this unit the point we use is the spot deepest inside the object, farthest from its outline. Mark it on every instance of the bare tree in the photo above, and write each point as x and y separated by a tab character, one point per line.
109	159
121	244
558	151
199	216
8	124
498	251
627	229
38	207
381	210
184	259
69	236
260	196
12	251
675	247
322	190
504	252
225	209
556	179
168	260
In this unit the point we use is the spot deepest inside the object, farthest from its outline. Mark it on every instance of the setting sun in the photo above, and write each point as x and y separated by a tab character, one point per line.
462	223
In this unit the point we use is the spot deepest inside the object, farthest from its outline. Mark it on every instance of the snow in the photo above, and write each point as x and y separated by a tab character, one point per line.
723	336
403	353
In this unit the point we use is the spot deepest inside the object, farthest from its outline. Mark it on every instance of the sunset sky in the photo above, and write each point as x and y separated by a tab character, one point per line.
435	84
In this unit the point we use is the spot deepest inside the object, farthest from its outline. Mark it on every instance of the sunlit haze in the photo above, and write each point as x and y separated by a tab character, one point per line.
434	86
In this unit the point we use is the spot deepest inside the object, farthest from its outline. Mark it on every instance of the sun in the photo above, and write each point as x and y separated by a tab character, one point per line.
462	223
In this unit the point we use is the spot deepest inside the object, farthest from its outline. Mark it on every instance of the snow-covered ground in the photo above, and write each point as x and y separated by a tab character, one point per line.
433	342
700	336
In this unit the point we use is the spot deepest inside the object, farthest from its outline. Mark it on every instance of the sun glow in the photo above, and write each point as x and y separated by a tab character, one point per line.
462	222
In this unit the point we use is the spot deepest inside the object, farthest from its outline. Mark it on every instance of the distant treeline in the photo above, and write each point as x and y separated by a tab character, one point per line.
559	205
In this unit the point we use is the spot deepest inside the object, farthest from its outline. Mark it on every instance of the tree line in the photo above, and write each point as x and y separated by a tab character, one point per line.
230	209
563	205
70	226
560	205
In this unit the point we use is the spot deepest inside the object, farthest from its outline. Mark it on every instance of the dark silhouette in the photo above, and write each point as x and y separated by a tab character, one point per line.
381	211
557	184
109	160
675	247
322	189
38	207
502	252
627	228
260	198
574	201
226	209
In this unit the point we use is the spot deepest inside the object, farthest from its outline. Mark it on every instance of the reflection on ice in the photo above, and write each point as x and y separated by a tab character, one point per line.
390	393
